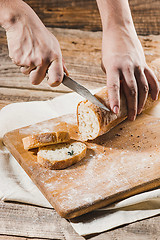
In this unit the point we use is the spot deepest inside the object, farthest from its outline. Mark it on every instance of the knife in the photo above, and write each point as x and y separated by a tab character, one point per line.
81	90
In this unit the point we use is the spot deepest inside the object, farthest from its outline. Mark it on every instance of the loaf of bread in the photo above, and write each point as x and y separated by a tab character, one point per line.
94	121
43	139
61	155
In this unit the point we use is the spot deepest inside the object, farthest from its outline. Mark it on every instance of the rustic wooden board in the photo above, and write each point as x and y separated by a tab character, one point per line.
82	53
84	14
35	222
34	219
119	164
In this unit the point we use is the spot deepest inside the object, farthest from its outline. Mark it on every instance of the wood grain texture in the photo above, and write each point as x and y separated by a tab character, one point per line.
33	222
8	237
143	230
147	229
83	14
105	175
82	53
3	104
50	228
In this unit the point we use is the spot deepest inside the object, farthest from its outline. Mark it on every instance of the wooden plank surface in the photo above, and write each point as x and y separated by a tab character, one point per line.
105	175
147	229
14	213
84	55
48	230
84	15
33	222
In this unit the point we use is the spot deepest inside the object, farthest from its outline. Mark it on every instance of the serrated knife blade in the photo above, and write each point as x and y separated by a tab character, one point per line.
81	90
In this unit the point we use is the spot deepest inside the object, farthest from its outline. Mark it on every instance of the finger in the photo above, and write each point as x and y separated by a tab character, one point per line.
36	76
143	89
153	83
64	67
102	66
55	73
27	70
113	85
130	90
65	70
17	63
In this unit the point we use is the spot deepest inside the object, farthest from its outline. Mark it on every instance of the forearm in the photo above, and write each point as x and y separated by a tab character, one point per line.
17	11
115	13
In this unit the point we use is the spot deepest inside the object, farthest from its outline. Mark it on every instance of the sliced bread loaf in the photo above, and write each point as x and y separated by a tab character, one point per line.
44	139
62	155
94	121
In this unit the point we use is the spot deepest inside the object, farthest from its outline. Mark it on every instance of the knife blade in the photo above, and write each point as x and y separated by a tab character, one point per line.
81	90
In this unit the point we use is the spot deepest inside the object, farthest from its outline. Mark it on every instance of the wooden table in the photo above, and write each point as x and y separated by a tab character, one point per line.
82	54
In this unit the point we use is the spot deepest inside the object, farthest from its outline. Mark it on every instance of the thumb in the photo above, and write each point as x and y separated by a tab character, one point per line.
55	72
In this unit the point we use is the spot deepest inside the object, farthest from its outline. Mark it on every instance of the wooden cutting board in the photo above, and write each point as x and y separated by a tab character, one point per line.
121	163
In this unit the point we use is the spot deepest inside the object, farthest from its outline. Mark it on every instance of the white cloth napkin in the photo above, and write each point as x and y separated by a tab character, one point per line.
15	185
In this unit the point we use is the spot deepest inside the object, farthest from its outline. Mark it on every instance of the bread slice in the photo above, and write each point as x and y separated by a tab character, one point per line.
61	155
94	121
44	139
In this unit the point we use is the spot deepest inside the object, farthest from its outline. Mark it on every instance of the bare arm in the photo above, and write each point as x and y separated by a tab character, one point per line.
31	46
123	58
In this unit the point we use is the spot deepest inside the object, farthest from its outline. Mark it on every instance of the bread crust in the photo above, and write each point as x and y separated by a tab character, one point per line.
108	120
61	164
44	139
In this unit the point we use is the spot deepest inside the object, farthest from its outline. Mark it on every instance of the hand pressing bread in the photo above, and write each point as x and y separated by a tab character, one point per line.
94	121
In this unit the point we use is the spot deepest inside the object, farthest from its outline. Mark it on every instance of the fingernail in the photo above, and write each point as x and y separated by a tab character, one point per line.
156	98
139	111
132	118
116	109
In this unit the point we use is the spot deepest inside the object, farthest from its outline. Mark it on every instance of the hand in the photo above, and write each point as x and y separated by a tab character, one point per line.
33	48
124	62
